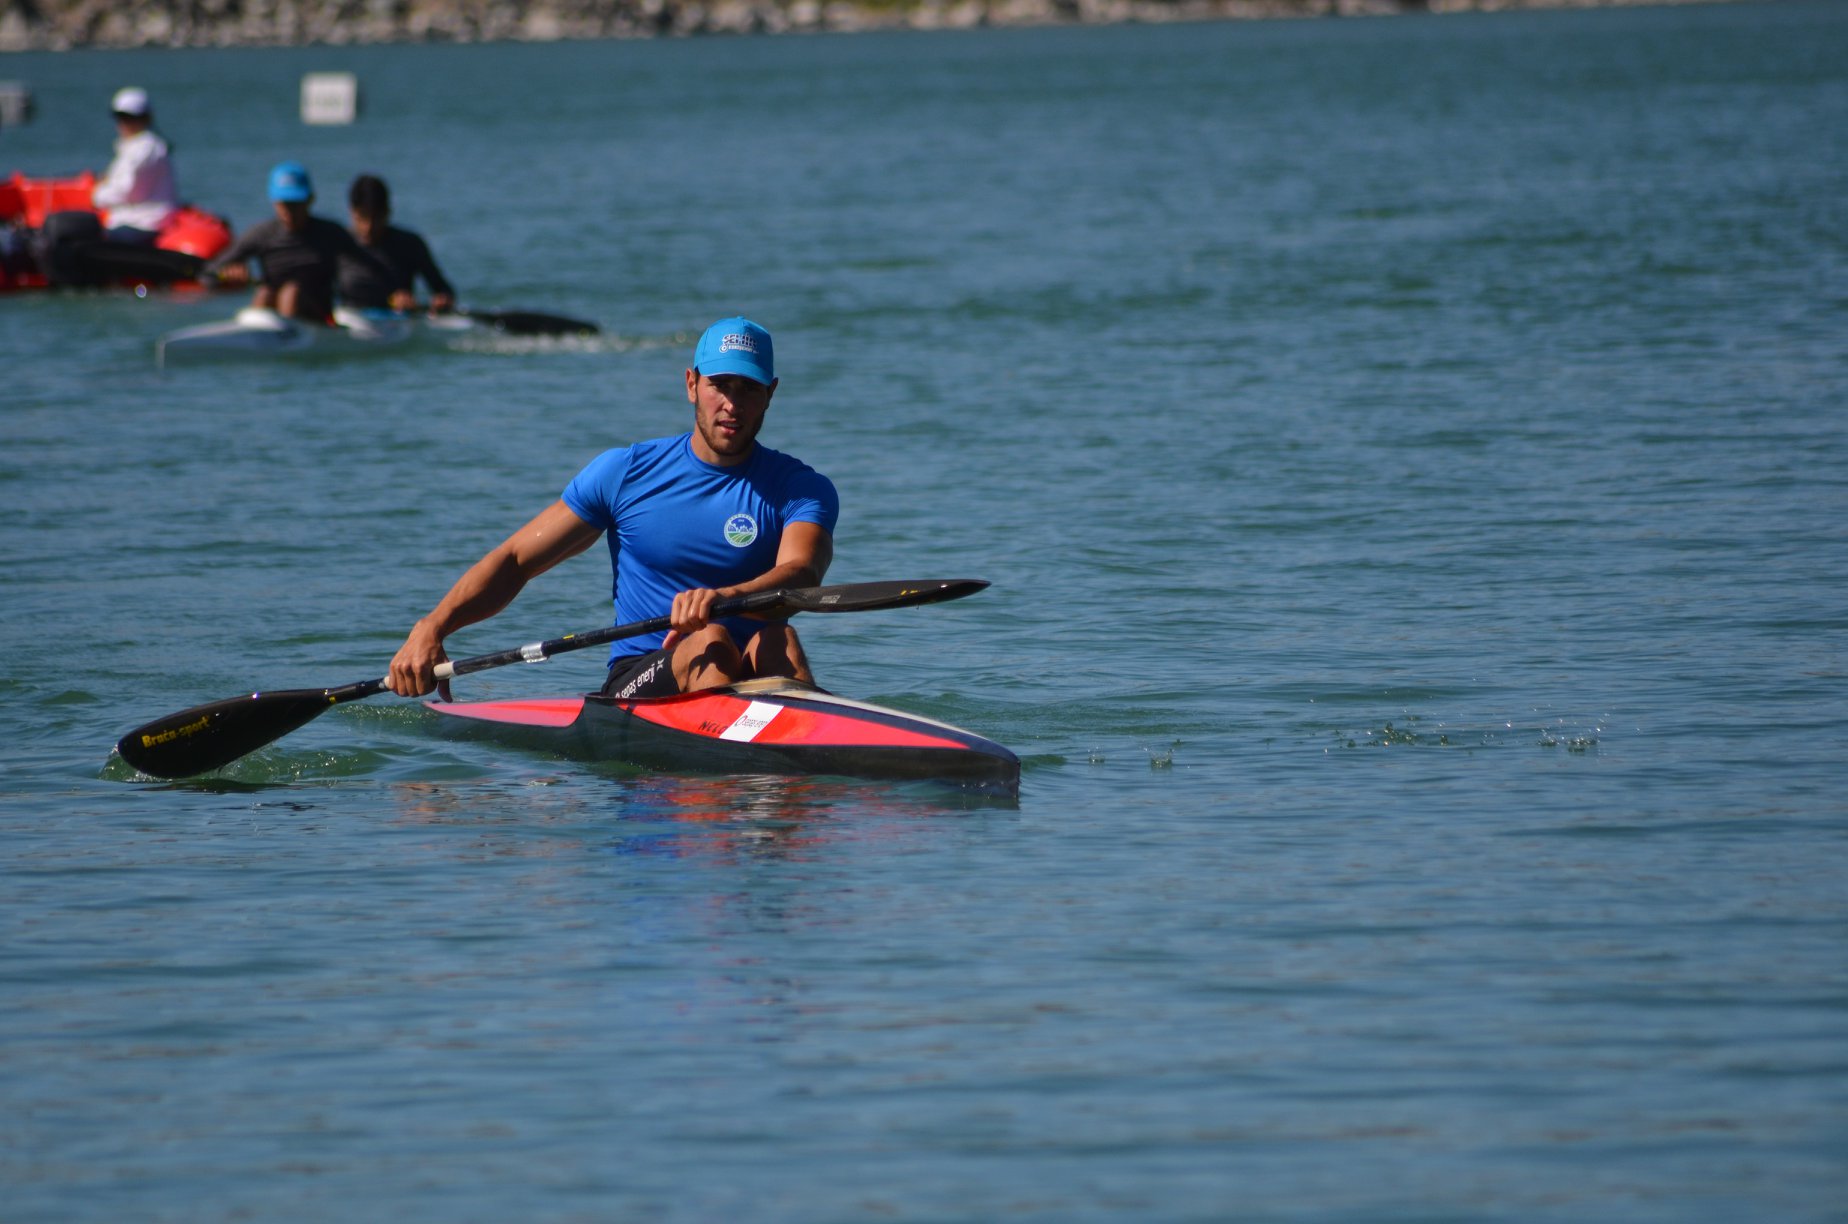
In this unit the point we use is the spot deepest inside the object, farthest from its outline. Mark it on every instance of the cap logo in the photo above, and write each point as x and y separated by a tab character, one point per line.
740	530
737	341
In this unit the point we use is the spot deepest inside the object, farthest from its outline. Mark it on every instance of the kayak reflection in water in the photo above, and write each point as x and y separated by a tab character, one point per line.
297	253
692	519
403	253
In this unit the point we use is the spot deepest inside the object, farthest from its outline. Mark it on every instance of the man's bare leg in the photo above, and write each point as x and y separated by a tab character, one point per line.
776	651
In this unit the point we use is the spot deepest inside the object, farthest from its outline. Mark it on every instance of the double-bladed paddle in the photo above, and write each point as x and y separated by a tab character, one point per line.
211	736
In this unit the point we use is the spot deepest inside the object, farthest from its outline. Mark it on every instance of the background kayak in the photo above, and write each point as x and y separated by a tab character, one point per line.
256	333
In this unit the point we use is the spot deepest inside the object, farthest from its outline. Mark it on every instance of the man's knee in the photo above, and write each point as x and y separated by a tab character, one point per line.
776	651
712	637
776	638
706	658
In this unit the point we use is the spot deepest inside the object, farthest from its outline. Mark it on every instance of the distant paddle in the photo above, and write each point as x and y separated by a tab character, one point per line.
530	322
102	262
211	736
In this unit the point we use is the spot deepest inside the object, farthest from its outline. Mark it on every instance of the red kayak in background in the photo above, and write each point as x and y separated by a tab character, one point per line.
188	239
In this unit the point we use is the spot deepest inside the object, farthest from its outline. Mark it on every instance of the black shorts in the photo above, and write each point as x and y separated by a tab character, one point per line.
647	675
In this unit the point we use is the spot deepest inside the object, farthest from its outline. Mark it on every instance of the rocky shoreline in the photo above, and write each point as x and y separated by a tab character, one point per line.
55	25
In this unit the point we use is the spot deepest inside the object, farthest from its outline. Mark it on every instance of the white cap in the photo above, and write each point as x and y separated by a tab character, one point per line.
130	101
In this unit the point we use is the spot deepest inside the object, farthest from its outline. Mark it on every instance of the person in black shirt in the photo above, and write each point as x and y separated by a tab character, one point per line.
298	253
406	255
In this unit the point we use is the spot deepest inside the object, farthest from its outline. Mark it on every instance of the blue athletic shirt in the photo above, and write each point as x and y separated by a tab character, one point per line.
676	522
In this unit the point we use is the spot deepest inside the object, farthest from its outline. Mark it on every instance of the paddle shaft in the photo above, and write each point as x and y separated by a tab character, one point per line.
848	597
539	652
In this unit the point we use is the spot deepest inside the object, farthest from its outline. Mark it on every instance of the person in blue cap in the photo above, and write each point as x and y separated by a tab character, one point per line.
298	254
691	519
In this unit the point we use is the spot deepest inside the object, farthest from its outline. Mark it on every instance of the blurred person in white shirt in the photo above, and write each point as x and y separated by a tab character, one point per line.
137	193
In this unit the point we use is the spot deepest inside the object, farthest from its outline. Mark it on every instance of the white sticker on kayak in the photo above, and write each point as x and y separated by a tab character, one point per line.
755	718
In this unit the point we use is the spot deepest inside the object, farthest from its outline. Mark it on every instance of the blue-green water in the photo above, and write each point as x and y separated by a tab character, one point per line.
1410	458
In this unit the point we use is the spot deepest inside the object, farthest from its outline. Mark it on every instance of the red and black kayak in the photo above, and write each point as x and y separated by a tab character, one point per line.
771	726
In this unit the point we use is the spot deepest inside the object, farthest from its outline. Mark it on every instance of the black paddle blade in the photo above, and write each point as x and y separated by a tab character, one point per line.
872	596
102	262
533	323
209	737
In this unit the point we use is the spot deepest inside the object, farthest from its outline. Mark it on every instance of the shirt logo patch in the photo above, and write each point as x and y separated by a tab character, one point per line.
740	530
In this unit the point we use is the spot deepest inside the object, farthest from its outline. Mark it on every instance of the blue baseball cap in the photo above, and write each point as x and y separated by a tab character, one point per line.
290	184
736	346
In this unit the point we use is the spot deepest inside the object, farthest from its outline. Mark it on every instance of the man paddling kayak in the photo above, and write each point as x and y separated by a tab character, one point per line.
402	251
692	519
299	253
